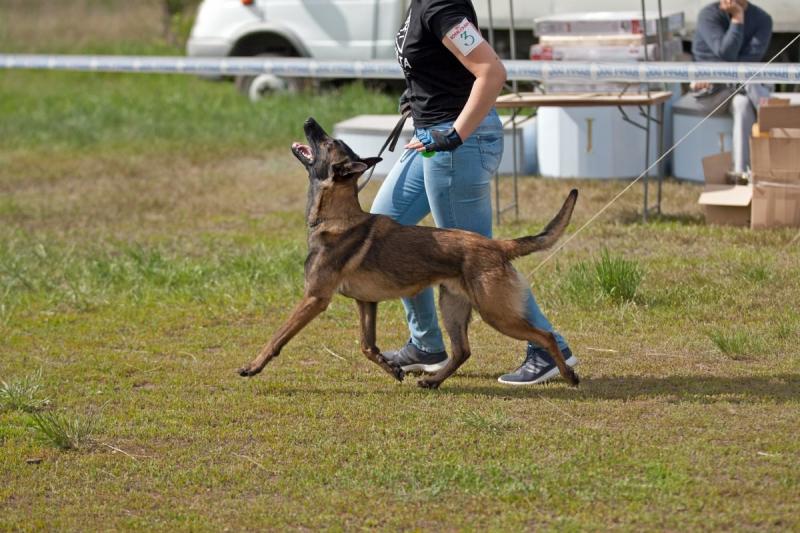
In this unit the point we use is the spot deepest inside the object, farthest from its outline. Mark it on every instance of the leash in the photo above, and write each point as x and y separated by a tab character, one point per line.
657	161
390	143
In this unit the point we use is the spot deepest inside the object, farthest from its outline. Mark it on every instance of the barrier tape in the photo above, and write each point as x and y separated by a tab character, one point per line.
575	72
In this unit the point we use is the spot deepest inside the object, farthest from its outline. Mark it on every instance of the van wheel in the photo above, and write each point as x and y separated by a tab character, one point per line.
257	87
263	84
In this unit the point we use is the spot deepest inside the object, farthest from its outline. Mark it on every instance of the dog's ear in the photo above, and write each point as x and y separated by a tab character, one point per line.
350	169
372	161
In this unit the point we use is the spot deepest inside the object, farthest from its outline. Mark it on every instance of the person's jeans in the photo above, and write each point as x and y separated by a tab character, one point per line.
742	107
455	187
744	116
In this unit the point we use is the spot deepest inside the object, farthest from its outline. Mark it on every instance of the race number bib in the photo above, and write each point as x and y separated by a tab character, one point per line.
465	36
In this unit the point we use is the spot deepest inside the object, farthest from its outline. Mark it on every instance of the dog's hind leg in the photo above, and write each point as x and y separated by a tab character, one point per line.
499	300
368	315
519	328
305	311
456	311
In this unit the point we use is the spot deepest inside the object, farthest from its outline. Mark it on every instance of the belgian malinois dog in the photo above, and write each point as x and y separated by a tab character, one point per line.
371	258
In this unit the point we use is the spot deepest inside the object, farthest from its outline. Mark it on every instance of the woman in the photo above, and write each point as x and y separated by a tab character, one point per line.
453	78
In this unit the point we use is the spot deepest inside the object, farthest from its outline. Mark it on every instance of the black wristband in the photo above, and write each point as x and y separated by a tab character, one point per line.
444	141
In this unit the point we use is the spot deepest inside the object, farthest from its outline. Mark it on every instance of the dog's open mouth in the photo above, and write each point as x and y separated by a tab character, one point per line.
303	153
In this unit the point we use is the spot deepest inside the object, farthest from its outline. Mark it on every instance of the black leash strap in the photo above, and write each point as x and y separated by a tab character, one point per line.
390	143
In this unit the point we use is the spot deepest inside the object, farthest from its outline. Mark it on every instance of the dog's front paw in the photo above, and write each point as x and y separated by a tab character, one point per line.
248	371
397	372
428	384
392	368
572	378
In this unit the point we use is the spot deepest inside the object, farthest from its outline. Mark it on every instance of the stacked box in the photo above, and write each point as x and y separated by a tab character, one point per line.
775	164
772	198
594	50
605	36
607	23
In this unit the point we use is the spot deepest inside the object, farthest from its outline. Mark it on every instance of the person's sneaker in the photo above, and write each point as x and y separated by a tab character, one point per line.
412	359
538	367
737	178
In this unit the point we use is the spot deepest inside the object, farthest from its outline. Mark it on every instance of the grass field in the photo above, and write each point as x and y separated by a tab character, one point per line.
152	238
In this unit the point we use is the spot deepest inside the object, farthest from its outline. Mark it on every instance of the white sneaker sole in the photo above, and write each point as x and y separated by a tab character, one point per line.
547	376
428	369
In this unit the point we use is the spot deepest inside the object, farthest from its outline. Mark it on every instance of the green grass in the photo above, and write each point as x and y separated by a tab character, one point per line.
609	276
619	278
128	115
732	343
152	239
23	393
580	284
64	431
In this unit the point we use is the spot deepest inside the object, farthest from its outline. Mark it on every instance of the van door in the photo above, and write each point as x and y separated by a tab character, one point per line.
339	29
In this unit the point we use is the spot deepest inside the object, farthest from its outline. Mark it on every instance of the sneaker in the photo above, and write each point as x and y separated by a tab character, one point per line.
412	359
737	178
538	367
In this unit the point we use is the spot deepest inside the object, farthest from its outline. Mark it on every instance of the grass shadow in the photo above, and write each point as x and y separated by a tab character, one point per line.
680	219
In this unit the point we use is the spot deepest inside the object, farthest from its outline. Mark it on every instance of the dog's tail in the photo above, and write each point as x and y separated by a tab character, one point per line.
552	232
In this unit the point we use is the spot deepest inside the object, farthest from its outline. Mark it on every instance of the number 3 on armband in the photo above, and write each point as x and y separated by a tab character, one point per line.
465	36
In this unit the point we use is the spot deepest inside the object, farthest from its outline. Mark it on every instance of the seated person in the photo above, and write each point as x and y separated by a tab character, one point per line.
735	31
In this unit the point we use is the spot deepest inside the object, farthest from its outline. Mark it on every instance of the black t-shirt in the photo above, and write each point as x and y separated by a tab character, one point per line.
438	84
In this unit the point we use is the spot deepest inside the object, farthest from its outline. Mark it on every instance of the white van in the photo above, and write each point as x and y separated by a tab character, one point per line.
365	29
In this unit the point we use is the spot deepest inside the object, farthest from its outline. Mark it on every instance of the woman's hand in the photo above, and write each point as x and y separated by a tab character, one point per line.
437	141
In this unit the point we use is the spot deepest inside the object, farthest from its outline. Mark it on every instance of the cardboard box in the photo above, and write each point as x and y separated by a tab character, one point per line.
775	206
596	40
775	163
775	152
608	22
777	113
760	205
577	51
724	204
772	200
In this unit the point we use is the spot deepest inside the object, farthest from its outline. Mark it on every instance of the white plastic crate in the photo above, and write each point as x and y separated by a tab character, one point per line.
593	142
365	134
712	137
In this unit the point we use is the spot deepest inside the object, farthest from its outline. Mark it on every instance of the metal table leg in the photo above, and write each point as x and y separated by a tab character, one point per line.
515	163
646	163
660	154
497	196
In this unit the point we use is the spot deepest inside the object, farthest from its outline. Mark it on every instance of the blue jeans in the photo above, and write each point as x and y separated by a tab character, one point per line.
455	187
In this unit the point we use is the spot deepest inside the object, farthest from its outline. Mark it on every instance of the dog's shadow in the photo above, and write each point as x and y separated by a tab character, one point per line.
678	388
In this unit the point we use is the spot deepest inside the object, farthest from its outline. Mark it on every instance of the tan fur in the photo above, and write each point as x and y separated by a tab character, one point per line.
372	258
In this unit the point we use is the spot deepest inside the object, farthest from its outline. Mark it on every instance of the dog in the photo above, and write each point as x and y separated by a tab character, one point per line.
372	258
